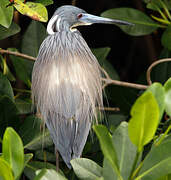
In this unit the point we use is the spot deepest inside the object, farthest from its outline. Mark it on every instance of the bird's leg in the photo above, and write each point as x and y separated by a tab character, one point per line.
57	160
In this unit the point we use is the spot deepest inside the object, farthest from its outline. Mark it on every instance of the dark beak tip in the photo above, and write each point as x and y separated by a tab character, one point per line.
131	24
124	23
128	24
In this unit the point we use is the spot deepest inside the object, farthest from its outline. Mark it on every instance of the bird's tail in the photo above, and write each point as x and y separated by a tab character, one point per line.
69	135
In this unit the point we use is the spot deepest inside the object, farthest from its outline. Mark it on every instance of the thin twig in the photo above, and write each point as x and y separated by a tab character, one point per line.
22	90
3	51
57	161
116	109
163	136
105	73
107	80
125	84
148	74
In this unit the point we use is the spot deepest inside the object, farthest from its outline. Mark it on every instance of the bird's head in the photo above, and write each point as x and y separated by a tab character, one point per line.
70	17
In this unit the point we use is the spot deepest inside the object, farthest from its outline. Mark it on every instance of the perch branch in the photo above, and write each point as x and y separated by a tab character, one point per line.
122	83
3	51
148	74
116	109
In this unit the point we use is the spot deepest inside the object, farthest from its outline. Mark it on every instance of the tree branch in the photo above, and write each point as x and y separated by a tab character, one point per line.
122	83
148	74
3	51
116	109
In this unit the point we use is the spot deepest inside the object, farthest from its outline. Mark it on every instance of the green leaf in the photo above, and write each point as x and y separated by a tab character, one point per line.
166	38
125	150
41	141
27	158
86	168
45	155
110	70
46	174
107	146
159	4
6	32
45	2
30	124
167	177
23	68
143	25
33	166
157	163
23	106
6	13
167	87
33	38
101	55
36	139
8	115
144	120
159	93
5	170
6	70
5	87
35	11
13	151
114	120
108	172
168	4
154	5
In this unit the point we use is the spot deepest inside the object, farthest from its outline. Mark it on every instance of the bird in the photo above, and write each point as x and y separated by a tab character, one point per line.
67	80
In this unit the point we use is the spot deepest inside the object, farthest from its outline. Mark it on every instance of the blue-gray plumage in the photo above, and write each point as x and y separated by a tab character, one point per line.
66	81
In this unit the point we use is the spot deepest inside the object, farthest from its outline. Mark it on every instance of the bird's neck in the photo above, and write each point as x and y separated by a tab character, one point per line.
57	24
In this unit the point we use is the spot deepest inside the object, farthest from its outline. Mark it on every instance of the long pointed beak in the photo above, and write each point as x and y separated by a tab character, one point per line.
91	19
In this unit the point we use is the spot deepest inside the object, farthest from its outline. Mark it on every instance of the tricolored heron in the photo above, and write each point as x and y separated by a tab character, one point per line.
66	80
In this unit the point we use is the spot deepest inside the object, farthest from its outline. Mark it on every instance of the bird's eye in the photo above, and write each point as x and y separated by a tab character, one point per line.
79	16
